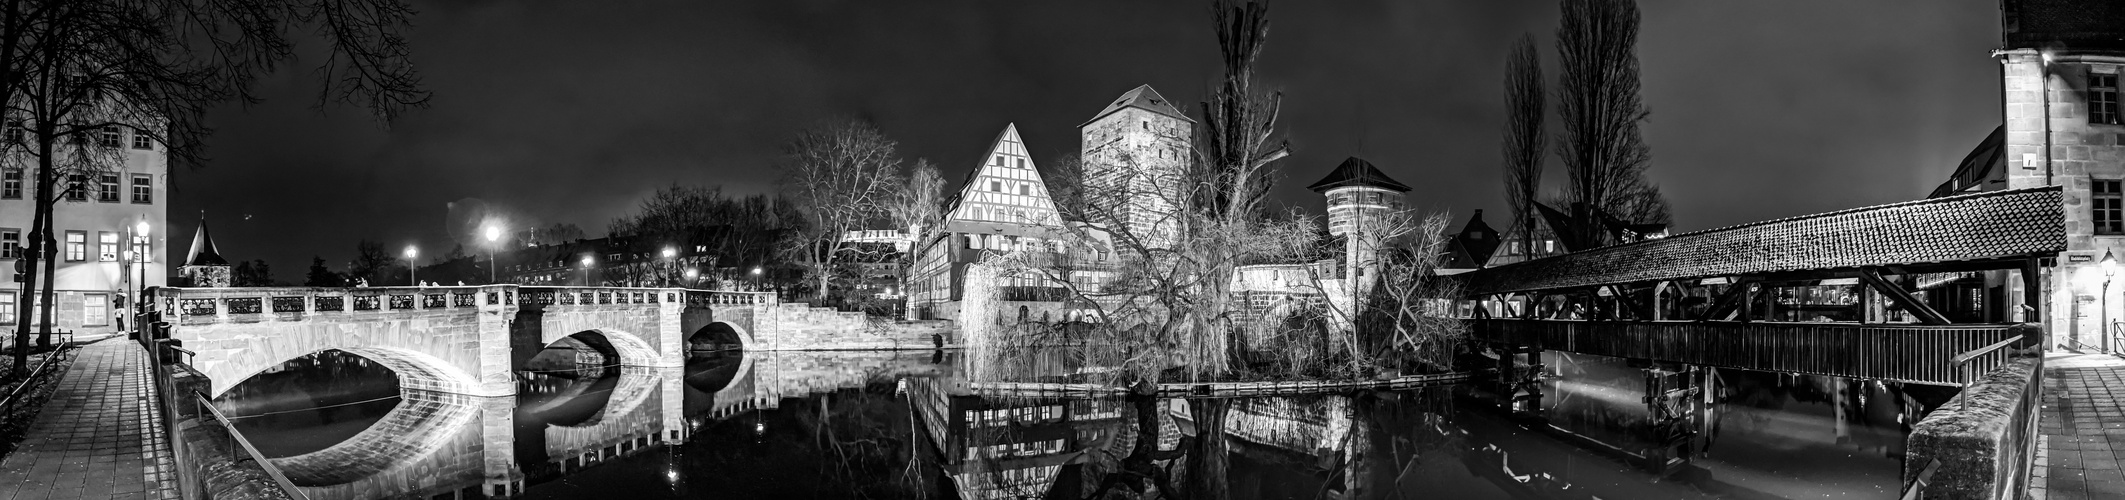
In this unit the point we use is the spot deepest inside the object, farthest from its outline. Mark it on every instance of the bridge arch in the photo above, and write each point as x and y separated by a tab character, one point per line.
618	346
719	335
416	371
423	423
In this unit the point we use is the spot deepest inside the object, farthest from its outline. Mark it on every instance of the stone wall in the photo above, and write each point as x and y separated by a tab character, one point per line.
1985	448
799	327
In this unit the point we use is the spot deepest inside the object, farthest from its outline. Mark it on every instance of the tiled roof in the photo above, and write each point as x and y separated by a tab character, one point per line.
1988	225
203	251
1356	171
1142	97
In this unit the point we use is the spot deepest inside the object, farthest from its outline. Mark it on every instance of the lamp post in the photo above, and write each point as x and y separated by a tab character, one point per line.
693	278
756	278
670	258
494	234
138	256
586	270
412	266
2110	269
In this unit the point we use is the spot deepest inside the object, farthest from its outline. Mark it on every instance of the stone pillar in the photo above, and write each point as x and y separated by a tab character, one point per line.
670	337
495	312
501	476
671	384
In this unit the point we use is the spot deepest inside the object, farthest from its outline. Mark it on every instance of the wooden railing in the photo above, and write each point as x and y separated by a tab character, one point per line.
1905	353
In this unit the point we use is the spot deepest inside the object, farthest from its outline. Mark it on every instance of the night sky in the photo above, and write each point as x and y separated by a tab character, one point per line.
563	111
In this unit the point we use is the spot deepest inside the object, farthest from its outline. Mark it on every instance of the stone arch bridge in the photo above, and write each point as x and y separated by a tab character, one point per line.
470	339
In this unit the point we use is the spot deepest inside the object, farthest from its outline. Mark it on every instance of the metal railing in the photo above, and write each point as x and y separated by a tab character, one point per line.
2117	338
45	369
1918	486
237	441
1969	372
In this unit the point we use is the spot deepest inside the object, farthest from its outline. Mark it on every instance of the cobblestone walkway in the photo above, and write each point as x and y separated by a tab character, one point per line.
2083	429
97	437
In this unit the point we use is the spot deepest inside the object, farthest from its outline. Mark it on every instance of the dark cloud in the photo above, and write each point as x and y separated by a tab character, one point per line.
560	111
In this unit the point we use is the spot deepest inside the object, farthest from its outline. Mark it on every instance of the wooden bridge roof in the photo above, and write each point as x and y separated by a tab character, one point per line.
1973	228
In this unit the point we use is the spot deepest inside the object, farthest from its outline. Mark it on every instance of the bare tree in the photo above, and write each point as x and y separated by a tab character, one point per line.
86	69
1237	142
1604	153
918	207
1525	141
842	175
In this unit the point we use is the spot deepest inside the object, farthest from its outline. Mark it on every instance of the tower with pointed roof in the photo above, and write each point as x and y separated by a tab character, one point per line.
1360	197
204	266
1134	153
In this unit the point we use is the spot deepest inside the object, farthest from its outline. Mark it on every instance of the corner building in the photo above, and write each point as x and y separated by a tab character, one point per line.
94	223
1135	152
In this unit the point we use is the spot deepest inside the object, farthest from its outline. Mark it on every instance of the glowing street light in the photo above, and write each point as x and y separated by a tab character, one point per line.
586	269
670	258
756	278
494	234
412	264
2110	269
693	277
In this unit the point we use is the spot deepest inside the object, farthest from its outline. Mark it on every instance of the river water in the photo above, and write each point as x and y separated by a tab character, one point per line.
907	425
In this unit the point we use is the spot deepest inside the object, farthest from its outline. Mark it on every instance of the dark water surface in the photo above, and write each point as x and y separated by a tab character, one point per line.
909	425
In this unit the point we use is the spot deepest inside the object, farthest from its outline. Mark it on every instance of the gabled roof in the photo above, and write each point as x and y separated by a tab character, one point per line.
1980	227
1141	97
1007	143
1356	171
1477	239
1989	156
203	251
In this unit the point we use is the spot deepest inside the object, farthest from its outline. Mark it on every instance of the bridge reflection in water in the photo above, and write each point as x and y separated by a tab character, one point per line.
908	425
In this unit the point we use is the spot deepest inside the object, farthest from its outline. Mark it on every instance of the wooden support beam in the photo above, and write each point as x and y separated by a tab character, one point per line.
1534	302
1625	298
2033	293
1902	298
1725	302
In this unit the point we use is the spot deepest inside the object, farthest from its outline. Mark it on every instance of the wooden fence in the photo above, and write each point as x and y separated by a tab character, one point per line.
1905	353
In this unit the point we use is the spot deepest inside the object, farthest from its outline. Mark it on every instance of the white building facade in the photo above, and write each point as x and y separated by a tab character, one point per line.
96	221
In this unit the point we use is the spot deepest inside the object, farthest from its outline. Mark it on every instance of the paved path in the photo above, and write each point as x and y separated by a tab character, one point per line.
98	436
2083	428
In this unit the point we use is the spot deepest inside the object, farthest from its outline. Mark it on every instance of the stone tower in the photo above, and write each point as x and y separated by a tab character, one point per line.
1359	199
1134	154
2062	62
204	266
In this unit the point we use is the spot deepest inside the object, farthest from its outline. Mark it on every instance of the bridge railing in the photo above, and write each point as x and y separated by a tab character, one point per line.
211	305
1898	352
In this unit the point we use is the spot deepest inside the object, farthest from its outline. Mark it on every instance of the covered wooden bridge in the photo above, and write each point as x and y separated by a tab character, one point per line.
1842	293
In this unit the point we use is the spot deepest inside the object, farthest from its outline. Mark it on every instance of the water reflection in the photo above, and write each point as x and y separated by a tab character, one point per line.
911	425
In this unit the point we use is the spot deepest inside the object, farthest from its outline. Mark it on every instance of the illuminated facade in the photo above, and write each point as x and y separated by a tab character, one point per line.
96	214
1135	151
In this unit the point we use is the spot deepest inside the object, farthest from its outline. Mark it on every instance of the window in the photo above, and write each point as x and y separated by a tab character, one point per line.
998	161
77	188
107	187
143	188
15	133
107	246
2109	207
95	309
2103	99
1021	163
142	141
7	308
10	243
996	186
77	246
107	136
1022	190
11	183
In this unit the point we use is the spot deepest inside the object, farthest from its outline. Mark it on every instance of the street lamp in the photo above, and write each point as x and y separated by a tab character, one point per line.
493	234
412	265
2110	269
670	258
586	270
141	247
693	278
756	278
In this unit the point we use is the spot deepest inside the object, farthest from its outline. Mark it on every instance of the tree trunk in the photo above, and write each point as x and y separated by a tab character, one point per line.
51	244
1208	461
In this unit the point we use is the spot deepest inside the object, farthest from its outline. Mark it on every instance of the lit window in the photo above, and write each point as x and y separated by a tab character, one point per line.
77	246
11	183
143	188
107	187
2103	99
107	246
7	308
10	243
107	136
95	309
142	141
2109	207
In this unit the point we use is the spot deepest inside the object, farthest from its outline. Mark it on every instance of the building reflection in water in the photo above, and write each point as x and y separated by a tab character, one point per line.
913	425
